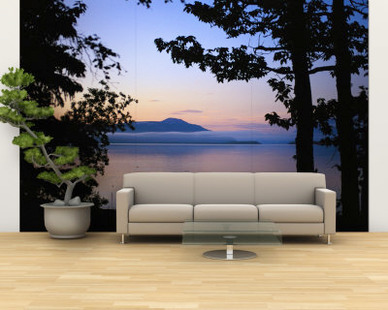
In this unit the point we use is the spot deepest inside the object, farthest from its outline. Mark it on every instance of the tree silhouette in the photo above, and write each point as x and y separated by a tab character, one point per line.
346	40
349	47
56	53
294	32
58	56
343	50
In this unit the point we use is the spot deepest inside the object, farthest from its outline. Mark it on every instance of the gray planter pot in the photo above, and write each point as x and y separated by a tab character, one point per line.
67	222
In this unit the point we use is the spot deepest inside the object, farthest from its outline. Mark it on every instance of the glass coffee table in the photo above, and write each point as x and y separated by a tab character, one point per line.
230	234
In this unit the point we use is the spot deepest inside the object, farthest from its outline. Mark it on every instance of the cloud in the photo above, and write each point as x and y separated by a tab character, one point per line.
186	112
155	100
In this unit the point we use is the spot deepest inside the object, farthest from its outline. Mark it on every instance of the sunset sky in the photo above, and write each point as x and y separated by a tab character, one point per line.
165	89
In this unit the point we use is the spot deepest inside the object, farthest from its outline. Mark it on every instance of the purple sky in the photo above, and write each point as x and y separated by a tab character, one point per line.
167	90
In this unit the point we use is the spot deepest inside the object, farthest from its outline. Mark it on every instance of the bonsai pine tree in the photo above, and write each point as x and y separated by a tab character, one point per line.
18	111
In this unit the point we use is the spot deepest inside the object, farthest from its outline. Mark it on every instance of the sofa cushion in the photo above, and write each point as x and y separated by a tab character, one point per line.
161	187
223	187
160	213
290	213
287	187
225	212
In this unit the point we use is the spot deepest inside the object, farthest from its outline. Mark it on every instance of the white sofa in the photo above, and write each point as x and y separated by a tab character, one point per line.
158	203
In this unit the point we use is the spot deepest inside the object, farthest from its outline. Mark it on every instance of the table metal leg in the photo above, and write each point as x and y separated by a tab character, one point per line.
229	251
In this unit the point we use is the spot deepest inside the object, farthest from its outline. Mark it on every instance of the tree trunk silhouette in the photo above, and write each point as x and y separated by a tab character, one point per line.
344	120
298	40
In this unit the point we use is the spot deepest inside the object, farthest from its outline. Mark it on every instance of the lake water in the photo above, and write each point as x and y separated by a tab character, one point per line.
132	157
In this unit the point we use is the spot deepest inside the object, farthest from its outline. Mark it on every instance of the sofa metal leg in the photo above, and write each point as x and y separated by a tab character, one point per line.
122	238
328	239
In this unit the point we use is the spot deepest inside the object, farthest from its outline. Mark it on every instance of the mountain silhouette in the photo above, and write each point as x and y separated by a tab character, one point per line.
167	125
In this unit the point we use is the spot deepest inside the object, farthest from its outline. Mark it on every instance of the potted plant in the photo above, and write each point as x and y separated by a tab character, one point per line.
67	218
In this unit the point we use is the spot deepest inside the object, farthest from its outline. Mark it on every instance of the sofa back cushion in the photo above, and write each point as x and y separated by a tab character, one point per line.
161	187
287	187
223	187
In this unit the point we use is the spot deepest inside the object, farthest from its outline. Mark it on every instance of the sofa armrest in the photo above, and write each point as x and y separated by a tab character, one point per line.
327	200
124	201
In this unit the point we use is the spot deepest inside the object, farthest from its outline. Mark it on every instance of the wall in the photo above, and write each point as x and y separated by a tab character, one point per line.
378	108
378	167
9	154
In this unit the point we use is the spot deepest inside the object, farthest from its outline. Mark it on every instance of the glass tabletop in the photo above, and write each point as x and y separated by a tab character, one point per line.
205	232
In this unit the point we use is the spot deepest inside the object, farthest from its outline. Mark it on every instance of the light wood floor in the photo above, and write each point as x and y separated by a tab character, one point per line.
39	273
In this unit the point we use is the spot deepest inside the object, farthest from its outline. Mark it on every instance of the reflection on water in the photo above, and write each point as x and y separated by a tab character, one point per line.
125	158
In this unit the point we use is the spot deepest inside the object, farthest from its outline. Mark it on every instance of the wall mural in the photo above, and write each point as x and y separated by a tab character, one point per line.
210	86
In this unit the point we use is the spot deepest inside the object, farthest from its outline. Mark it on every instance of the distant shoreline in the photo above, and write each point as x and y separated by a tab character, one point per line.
193	143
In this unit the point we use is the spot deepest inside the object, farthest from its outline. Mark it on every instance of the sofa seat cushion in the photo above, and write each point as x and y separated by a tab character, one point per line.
290	213
225	212
160	213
